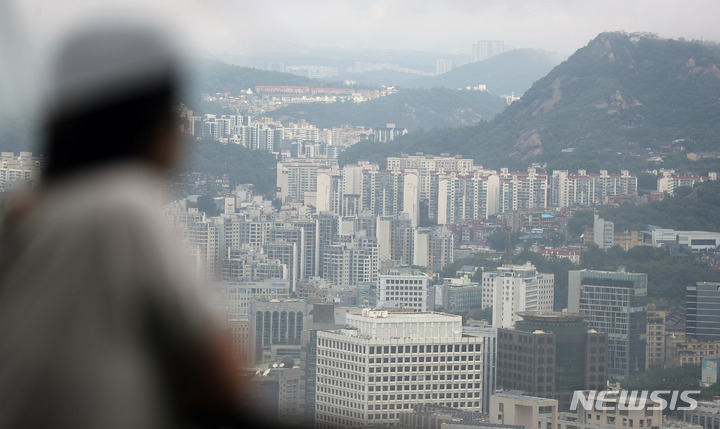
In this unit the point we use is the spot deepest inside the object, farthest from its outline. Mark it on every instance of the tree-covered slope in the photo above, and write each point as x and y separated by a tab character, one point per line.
609	102
242	165
412	109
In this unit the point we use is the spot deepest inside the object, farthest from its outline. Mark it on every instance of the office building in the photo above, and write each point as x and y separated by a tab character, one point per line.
461	295
325	317
383	364
514	288
616	304
695	241
551	354
236	296
404	287
489	351
703	311
276	323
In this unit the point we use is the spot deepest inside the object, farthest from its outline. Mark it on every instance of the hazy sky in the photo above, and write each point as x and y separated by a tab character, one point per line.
226	26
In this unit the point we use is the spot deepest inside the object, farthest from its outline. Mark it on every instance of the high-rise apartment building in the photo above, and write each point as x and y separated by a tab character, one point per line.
616	304
352	261
428	165
703	311
433	247
297	177
522	190
514	288
443	66
467	197
485	49
382	364
583	189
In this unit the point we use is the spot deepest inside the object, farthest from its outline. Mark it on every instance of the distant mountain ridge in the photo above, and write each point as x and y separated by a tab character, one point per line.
512	71
602	108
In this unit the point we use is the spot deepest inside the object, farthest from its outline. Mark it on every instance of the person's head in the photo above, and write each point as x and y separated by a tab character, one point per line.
113	91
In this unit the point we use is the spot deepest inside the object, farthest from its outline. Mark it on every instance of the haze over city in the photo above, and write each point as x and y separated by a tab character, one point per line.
237	27
360	215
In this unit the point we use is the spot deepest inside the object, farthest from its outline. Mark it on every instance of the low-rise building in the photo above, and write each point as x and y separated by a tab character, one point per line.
461	294
618	410
681	350
515	408
706	414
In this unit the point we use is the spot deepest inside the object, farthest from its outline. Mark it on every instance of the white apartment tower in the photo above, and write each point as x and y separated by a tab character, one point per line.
514	288
382	364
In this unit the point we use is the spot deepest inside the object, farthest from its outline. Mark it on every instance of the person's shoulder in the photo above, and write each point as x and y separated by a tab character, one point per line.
116	198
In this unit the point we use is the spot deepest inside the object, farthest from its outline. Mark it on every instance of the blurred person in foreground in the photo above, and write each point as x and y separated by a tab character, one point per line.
101	325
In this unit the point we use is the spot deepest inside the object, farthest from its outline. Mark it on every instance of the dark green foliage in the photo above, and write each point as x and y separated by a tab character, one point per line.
668	274
647	182
681	378
242	165
580	220
688	210
498	240
206	204
411	109
482	260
